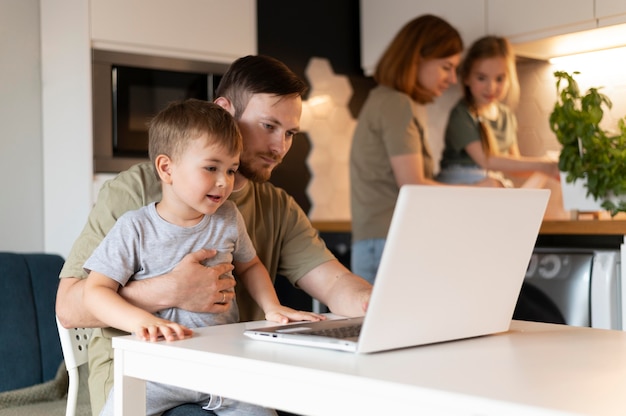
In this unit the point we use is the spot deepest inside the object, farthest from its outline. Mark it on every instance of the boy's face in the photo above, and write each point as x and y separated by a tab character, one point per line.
267	125
202	177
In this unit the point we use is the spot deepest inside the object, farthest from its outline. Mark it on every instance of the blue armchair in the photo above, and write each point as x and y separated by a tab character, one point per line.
33	380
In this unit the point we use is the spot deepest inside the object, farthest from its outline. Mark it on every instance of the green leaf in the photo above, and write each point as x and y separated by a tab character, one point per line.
589	152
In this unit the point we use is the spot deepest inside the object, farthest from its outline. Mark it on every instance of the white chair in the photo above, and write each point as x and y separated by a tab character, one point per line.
74	344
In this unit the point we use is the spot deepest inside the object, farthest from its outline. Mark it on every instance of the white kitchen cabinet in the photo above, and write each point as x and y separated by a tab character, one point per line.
212	30
528	20
381	20
610	12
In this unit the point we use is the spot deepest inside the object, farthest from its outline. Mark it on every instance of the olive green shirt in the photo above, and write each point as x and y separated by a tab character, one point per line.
283	236
390	124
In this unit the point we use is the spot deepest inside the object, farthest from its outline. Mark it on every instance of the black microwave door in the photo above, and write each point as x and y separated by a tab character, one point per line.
139	94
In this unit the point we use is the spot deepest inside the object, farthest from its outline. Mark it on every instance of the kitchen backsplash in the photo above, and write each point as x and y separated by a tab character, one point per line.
538	95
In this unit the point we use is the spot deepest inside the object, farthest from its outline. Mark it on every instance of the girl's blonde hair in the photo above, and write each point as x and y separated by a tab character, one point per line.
424	38
485	48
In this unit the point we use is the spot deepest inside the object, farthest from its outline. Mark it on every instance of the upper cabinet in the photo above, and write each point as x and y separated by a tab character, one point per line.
526	20
610	12
211	30
544	29
381	20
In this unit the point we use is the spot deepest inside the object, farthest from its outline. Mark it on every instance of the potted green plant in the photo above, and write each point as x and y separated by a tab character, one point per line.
590	154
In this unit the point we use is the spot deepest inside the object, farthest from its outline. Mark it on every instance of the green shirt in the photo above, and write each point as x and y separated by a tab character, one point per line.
390	124
462	129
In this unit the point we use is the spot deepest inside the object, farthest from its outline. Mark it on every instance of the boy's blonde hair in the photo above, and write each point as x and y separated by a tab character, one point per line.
171	130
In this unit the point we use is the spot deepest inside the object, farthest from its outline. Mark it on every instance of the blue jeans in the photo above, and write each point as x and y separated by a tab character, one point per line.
456	174
189	409
366	258
192	409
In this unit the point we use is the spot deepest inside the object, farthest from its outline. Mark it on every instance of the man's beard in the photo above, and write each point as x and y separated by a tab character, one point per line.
247	170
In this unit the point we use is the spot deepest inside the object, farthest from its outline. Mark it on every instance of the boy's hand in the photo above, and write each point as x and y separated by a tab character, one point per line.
157	328
283	315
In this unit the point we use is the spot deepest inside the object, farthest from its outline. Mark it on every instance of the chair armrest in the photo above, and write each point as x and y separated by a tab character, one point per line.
51	390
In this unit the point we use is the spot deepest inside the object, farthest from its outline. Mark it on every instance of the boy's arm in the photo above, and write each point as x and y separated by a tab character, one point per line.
257	281
103	301
190	286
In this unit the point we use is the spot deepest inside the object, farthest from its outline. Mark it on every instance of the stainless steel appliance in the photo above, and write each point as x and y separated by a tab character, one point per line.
584	284
128	89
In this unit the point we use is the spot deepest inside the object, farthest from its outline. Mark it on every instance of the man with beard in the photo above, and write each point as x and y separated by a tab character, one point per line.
265	97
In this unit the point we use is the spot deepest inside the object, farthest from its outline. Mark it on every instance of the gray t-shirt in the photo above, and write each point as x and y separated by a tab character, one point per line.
142	245
462	129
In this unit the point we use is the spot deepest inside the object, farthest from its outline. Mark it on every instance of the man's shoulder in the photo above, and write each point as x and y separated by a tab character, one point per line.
141	172
267	191
264	200
138	182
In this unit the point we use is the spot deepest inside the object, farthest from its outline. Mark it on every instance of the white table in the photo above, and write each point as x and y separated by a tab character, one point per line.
534	369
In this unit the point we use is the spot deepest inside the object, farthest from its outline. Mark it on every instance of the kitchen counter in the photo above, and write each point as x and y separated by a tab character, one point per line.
332	226
584	227
548	227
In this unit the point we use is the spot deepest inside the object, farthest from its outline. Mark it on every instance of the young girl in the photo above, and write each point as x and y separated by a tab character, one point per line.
481	135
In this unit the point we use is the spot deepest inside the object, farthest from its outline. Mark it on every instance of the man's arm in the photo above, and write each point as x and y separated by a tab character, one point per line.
190	285
70	308
335	286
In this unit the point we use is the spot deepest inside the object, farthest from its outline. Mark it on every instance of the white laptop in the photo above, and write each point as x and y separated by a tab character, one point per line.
452	268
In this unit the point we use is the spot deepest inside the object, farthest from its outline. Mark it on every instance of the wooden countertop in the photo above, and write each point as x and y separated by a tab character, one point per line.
332	226
604	226
584	227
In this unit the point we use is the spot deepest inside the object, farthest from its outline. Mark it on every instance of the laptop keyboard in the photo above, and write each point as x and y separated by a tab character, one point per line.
350	331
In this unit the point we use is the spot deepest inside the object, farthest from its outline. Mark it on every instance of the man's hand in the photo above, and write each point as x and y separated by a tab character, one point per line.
190	286
283	314
200	288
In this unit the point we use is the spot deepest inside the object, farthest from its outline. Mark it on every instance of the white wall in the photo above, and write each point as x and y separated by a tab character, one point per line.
67	125
21	170
45	116
45	124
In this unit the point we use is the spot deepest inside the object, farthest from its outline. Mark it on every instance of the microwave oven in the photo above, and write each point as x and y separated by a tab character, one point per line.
129	89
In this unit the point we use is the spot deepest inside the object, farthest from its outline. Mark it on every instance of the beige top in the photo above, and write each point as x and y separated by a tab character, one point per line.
389	124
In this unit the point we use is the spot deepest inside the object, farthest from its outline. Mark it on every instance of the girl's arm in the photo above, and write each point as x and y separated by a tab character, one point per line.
511	163
409	170
257	281
104	302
